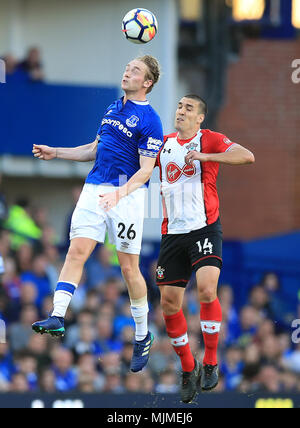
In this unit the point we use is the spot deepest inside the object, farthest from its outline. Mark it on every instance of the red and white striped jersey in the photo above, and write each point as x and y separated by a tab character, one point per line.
189	192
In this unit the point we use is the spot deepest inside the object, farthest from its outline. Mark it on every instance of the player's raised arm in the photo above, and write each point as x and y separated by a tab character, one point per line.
85	153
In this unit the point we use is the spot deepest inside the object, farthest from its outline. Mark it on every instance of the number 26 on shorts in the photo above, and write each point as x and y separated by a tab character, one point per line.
131	233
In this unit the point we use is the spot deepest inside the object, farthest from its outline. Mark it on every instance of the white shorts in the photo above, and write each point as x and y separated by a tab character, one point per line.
124	223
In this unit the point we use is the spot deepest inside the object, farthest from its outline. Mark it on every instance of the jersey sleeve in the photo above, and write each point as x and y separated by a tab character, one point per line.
219	143
151	139
157	163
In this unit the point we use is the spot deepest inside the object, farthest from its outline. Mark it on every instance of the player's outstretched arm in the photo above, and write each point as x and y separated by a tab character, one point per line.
84	153
236	155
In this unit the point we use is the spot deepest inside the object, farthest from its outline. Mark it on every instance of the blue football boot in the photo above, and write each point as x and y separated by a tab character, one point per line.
141	352
54	326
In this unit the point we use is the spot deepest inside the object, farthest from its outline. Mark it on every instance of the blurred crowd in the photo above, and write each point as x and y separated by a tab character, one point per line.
256	351
29	69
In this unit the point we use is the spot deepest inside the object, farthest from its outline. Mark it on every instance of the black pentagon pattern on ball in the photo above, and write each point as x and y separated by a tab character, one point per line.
143	28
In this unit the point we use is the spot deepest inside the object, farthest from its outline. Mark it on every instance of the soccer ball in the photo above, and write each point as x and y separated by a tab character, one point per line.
139	26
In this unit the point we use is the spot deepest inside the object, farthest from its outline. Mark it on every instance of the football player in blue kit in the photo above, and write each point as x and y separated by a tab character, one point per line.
112	200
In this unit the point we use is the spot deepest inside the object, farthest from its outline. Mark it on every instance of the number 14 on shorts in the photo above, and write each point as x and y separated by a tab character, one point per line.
206	247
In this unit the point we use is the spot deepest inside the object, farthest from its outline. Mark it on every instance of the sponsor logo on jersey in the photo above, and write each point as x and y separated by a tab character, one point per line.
160	272
154	144
192	146
132	121
174	172
227	141
117	124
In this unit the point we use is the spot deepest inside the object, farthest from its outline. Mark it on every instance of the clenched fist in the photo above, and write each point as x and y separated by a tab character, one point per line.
44	152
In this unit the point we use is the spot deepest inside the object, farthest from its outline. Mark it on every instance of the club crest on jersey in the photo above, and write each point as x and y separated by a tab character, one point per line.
160	272
132	121
174	172
192	146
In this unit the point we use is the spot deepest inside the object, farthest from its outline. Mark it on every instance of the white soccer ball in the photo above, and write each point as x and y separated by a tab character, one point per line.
139	26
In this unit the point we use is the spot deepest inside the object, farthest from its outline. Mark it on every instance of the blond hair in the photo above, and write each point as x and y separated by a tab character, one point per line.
154	70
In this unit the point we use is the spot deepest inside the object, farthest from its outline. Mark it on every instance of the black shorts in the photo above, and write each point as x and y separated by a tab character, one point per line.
182	254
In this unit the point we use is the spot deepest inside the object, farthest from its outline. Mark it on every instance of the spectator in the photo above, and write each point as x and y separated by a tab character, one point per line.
20	332
280	308
19	383
28	295
38	276
123	320
168	383
89	379
92	302
110	362
232	368
289	381
265	329
162	357
128	334
14	74
11	281
113	383
111	291
38	347
148	385
21	224
270	350
269	379
32	65
249	319
259	299
86	342
105	342
24	257
133	382
47	381
66	378
27	365
85	318
126	356
100	269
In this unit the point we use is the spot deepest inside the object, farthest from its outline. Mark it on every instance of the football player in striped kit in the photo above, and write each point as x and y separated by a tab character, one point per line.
192	235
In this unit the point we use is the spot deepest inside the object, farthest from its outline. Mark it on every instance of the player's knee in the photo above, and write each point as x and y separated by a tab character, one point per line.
169	305
207	294
128	271
77	254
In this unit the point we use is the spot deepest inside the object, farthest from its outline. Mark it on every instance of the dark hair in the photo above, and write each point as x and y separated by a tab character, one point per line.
202	103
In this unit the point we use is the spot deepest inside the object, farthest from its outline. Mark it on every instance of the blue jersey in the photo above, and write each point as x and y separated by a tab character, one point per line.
126	133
